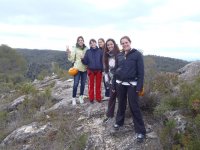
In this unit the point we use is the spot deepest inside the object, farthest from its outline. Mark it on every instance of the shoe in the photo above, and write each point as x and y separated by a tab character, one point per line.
105	98
140	137
92	102
81	99
99	101
74	101
116	126
106	119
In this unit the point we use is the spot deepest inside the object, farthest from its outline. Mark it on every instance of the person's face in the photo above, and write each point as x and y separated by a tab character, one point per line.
110	45
93	44
101	43
126	45
80	42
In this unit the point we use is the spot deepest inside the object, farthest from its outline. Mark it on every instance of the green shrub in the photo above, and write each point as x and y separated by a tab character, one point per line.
79	143
6	87
173	102
164	82
3	119
148	102
60	72
160	110
167	135
28	88
197	122
42	74
167	103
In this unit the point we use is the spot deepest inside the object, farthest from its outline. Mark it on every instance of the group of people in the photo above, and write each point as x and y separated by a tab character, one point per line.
122	73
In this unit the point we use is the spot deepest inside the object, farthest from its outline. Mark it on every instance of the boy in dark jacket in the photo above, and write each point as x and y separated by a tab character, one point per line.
93	60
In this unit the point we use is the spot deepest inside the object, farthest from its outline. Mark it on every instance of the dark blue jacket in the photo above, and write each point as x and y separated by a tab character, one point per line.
93	59
130	67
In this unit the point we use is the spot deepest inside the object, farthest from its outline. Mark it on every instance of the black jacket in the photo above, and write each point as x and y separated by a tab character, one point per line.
93	59
129	68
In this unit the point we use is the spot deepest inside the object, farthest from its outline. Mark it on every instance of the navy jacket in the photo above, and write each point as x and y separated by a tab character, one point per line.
93	59
130	68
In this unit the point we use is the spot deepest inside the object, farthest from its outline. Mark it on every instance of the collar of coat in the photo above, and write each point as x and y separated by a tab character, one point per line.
130	52
94	48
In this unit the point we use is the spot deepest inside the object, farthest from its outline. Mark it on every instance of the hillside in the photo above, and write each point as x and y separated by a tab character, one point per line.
46	57
39	61
12	68
166	64
44	62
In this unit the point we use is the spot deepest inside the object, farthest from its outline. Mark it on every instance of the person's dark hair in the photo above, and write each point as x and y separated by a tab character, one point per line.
125	37
92	40
77	45
106	55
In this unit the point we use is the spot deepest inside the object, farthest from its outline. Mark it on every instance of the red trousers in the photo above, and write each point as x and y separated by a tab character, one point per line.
94	84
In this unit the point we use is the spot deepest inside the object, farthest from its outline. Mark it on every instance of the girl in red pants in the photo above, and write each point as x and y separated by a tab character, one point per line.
93	60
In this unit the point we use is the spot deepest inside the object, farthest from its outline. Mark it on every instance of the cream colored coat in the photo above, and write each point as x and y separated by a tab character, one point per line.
79	54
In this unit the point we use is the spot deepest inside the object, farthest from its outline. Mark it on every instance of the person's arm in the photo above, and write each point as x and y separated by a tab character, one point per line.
70	54
140	73
114	75
85	60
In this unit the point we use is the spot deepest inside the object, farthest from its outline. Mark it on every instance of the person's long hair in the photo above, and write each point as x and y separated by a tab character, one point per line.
106	55
77	45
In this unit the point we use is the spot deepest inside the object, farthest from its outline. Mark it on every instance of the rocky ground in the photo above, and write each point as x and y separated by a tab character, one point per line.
88	118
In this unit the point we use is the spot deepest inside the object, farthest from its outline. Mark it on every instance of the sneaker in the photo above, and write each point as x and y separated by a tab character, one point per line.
116	126
92	102
74	101
81	99
105	98
140	137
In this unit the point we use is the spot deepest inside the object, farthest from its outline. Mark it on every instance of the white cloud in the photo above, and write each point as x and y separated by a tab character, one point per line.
106	4
153	26
50	37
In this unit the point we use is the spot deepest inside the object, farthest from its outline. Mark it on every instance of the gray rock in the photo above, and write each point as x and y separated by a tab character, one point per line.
26	132
179	119
62	90
12	106
190	71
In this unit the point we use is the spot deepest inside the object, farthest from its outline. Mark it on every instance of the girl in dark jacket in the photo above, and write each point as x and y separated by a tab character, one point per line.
129	75
111	51
93	60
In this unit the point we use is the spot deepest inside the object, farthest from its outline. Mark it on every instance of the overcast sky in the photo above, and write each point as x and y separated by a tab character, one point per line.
168	28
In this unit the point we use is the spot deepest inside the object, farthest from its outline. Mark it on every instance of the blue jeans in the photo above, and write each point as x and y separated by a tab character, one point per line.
80	76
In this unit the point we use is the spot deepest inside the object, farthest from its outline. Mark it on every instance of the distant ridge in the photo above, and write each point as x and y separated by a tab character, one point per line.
167	64
45	58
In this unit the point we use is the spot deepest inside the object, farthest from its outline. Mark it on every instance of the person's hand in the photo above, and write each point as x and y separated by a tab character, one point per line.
141	93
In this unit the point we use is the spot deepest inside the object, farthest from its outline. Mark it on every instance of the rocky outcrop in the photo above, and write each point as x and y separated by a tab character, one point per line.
40	85
26	132
190	71
13	105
